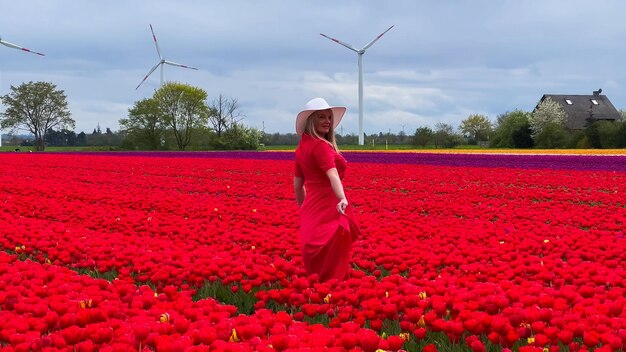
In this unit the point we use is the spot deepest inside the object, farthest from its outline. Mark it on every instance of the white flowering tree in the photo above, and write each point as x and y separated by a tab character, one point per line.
548	115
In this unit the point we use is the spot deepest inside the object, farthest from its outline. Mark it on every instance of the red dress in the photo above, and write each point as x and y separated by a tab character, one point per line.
325	234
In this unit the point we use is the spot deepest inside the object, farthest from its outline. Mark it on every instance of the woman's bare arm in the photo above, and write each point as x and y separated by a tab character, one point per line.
298	187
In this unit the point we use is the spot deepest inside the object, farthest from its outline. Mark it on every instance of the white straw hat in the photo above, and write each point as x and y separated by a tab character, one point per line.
316	104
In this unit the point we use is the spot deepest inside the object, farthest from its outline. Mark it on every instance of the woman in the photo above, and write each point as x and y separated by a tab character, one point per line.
327	226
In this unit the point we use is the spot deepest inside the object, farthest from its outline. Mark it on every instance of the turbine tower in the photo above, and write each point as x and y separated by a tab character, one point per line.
360	53
11	45
161	62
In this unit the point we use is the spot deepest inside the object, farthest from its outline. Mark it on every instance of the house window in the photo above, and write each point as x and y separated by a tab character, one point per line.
594	102
569	102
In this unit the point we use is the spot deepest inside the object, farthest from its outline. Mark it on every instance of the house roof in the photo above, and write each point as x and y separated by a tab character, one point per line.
579	108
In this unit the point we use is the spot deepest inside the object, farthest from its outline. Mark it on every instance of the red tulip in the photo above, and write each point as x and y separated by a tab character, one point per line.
431	347
591	339
541	340
376	324
141	331
72	335
395	342
205	335
368	340
279	342
67	320
85	346
348	340
420	333
83	317
181	325
494	337
477	346
566	337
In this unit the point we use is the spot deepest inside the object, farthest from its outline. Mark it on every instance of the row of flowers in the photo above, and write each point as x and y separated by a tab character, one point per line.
481	256
605	160
51	308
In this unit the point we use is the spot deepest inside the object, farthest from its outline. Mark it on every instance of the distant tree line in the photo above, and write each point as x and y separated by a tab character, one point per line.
543	128
342	139
546	128
178	116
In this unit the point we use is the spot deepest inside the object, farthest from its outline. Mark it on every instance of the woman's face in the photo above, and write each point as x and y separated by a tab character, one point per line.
323	120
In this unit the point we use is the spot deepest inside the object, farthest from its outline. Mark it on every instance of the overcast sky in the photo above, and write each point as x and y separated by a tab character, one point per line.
443	60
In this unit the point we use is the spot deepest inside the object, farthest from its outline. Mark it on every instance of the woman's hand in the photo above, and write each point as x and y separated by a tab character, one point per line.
342	205
335	184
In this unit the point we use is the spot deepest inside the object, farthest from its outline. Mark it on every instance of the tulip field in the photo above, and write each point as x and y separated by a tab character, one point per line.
200	251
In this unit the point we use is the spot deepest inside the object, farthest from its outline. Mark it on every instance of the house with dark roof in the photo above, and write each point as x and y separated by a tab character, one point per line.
579	108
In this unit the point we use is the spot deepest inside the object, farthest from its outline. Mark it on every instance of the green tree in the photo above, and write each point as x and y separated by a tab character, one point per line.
612	134
548	116
476	127
522	137
621	133
107	139
512	130
422	136
81	139
552	135
36	107
592	133
63	137
444	136
145	124
292	138
239	136
183	109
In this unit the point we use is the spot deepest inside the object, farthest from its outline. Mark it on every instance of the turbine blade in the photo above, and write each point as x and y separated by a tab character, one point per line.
340	42
179	65
375	39
156	44
149	73
11	45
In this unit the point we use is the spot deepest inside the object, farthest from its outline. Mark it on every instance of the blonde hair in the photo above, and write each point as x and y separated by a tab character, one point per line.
329	137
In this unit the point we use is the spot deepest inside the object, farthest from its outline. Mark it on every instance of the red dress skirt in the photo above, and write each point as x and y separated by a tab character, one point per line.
325	234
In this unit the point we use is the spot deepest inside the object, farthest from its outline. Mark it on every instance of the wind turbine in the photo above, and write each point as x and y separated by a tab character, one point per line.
11	45
360	53
161	62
